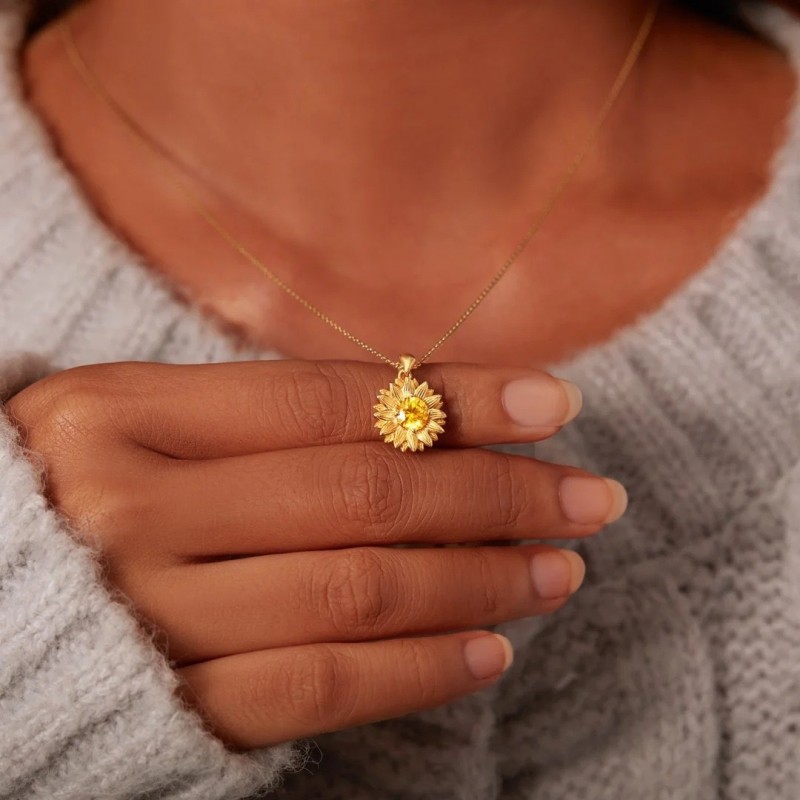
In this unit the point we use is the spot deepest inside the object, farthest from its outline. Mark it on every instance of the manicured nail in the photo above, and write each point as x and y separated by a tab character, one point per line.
487	656
541	401
592	501
557	573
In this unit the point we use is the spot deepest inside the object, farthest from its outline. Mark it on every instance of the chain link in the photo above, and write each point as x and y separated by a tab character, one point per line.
182	184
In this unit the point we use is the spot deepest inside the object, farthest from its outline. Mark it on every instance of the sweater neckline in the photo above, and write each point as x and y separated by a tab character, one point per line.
660	323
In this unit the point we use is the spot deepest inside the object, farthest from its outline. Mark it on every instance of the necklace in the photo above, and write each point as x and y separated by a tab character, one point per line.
409	414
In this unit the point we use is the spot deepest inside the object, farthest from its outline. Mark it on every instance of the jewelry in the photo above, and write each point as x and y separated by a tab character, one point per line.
409	414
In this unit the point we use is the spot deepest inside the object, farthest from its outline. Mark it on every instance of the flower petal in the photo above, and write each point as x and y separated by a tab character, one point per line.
396	392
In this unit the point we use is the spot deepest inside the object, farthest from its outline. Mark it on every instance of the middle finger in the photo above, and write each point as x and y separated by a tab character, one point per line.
365	493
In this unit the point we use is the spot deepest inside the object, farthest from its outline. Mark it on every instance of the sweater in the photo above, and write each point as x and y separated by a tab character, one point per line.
673	673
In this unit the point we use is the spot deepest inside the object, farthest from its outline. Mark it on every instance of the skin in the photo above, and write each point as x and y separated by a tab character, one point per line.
370	152
262	544
368	147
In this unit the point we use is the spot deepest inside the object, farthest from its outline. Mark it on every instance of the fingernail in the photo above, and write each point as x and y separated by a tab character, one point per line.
557	573
541	400
592	501
487	656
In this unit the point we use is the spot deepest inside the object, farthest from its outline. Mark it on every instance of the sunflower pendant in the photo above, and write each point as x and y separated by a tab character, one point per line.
409	413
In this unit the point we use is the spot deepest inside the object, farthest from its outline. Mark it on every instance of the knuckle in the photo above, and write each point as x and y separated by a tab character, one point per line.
66	420
66	408
319	688
370	491
423	675
109	511
116	511
53	418
488	593
311	402
260	694
339	420
63	421
357	593
511	494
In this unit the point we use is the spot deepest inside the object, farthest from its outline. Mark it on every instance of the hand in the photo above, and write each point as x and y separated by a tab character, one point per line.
246	509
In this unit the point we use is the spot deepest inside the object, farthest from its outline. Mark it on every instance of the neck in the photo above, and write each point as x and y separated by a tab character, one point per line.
350	115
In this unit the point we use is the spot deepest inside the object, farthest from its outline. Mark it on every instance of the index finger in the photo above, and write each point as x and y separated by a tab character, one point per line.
221	410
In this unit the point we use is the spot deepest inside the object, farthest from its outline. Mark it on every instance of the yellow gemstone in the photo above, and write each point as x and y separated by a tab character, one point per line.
412	414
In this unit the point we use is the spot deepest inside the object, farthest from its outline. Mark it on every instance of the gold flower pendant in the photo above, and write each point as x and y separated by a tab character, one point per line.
409	414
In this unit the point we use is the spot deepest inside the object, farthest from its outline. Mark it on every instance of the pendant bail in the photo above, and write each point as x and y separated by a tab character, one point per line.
407	363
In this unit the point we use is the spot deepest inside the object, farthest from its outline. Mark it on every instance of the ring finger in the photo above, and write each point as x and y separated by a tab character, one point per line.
364	494
357	594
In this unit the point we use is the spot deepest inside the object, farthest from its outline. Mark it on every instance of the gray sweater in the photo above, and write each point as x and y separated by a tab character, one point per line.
675	671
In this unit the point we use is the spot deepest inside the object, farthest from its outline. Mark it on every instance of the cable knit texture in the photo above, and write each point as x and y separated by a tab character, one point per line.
675	671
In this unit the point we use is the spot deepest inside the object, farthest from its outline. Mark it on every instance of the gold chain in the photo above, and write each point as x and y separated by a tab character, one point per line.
91	80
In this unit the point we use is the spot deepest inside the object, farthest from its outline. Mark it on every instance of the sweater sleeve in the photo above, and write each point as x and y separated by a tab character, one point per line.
87	703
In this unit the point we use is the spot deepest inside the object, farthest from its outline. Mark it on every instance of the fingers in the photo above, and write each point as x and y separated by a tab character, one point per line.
218	410
360	494
272	696
358	594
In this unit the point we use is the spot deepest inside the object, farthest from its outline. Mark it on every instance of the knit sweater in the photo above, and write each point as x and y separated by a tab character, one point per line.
673	673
